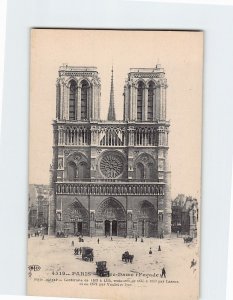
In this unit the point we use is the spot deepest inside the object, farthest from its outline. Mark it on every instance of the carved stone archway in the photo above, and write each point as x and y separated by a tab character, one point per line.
111	217
75	219
146	219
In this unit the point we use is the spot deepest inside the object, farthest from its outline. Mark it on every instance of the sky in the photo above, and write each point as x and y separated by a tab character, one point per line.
179	53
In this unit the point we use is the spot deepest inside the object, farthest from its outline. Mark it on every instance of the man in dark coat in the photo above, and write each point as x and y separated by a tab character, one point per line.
163	273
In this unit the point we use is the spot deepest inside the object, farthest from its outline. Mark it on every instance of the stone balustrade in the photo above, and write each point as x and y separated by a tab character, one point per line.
117	188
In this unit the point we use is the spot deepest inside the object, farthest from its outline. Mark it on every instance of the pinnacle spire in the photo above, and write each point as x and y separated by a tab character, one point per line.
111	109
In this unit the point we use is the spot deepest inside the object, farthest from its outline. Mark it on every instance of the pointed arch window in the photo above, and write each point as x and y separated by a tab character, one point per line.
72	171
140	172
84	96
150	174
72	101
140	101
150	101
83	171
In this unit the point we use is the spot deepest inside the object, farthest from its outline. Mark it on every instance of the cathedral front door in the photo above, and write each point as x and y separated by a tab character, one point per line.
107	227
114	228
80	227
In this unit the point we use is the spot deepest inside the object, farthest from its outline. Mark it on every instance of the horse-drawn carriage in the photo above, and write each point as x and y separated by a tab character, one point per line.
126	257
188	239
101	269
61	234
87	254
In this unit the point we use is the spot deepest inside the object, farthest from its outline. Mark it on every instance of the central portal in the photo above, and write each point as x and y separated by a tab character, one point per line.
110	218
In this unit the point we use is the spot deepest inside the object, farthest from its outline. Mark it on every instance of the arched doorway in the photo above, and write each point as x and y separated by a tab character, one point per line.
75	219
147	219
111	218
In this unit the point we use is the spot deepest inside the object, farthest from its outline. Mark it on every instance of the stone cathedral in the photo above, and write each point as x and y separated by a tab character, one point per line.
110	178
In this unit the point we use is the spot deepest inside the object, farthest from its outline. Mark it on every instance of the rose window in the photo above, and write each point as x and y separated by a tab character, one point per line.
111	165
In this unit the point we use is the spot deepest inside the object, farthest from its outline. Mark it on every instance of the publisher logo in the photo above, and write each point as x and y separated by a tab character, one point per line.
34	268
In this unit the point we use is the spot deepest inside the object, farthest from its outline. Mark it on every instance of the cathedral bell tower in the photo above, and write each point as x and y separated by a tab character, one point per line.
145	111
78	94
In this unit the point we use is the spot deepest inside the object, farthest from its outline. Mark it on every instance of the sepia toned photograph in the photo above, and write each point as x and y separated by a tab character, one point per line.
115	164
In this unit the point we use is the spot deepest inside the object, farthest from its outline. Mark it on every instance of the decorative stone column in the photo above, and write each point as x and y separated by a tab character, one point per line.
78	106
131	102
134	102
97	111
157	102
62	104
154	104
92	223
110	228
58	98
161	103
164	100
126	104
145	104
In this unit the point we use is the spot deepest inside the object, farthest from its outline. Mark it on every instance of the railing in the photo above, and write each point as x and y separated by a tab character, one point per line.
110	188
112	135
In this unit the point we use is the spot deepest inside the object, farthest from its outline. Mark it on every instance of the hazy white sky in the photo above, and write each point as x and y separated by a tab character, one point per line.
179	53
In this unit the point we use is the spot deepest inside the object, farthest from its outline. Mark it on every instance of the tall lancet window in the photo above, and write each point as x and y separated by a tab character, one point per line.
150	101
84	96
72	100
139	101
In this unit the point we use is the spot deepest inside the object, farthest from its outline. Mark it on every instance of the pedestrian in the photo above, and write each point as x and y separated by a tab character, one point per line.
72	243
159	249
150	252
193	263
136	239
98	241
163	273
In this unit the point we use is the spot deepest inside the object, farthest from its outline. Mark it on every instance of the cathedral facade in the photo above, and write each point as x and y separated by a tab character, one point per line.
110	178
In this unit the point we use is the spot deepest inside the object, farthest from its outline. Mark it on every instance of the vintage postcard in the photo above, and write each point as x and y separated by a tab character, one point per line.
115	164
